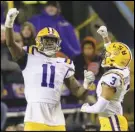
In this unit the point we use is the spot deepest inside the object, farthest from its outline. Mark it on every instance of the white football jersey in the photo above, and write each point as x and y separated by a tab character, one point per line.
44	77
120	80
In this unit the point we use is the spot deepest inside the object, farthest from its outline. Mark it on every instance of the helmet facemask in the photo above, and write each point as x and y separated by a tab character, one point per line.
107	60
49	45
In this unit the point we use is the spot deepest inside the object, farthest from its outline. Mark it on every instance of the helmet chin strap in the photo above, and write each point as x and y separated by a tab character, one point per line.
50	53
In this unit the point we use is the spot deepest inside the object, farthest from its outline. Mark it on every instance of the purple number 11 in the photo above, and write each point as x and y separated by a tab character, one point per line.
44	77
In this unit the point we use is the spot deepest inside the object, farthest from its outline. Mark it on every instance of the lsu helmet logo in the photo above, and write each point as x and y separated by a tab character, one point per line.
117	55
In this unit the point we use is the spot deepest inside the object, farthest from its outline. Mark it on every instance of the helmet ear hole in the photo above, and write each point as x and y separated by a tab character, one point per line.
112	60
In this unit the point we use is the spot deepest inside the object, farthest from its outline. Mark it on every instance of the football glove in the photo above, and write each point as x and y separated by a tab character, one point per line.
10	18
89	77
103	31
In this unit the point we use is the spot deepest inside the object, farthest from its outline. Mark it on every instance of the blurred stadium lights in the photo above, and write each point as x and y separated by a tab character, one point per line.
34	2
11	3
130	5
126	12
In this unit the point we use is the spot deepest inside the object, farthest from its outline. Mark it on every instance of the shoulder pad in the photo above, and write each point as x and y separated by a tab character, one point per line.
114	72
112	75
30	49
64	60
68	61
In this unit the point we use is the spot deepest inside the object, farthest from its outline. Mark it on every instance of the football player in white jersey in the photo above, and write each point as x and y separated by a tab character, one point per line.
112	86
44	75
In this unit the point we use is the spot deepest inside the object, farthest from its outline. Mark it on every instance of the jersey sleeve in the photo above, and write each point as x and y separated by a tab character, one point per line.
112	79
71	68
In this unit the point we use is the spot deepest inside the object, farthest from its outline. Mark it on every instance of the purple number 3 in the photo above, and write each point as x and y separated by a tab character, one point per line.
44	77
113	81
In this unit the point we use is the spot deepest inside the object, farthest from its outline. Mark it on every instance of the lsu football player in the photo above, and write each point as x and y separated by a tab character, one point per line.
44	75
112	86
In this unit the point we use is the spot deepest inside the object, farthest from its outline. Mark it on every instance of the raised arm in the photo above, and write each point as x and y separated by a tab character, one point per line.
103	32
16	51
76	88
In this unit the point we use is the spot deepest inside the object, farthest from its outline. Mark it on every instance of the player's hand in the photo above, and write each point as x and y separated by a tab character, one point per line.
103	31
11	15
89	77
84	107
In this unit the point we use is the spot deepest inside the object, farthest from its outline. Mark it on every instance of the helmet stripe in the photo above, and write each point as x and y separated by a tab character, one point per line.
52	30
48	30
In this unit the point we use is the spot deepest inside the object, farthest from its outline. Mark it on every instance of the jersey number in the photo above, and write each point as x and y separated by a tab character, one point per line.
113	81
44	77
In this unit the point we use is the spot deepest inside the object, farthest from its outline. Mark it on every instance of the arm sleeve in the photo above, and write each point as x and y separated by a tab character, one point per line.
22	62
98	107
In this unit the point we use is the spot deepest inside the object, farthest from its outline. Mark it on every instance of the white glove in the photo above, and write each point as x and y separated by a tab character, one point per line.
103	31
84	107
11	15
89	77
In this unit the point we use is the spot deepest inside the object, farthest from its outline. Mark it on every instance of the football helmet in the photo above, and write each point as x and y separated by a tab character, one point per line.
117	55
48	41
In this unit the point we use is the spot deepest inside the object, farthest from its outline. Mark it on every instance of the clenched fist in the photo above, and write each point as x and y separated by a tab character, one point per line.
89	77
11	15
103	31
